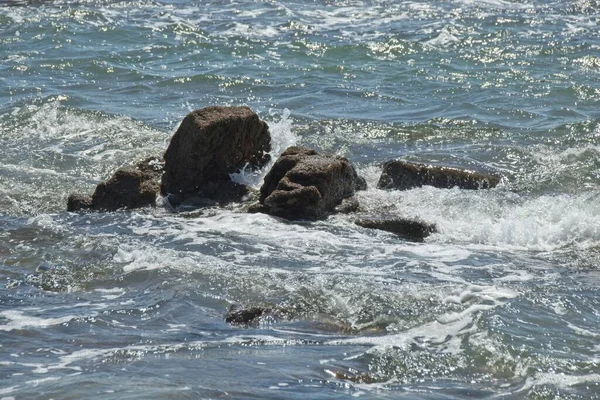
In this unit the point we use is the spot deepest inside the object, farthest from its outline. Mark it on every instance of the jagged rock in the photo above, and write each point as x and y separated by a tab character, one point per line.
402	175
210	144
77	202
408	229
129	187
305	184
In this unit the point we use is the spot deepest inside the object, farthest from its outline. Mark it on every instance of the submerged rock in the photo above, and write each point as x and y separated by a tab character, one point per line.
239	315
355	377
129	187
406	228
210	144
403	175
251	315
305	184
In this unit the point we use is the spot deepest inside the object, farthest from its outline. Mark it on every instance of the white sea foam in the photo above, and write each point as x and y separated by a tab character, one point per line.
445	337
582	331
446	331
445	38
51	128
17	320
497	218
559	380
251	31
111	294
500	4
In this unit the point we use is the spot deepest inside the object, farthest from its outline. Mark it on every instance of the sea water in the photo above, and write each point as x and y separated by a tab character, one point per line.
501	302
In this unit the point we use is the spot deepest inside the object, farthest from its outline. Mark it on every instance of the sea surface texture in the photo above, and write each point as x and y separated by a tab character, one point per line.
502	302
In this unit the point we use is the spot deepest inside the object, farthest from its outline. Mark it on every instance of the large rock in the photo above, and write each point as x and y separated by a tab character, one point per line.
305	184
129	187
212	143
402	175
405	228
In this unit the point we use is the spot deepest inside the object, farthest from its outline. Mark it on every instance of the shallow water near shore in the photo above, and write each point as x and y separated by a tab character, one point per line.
501	302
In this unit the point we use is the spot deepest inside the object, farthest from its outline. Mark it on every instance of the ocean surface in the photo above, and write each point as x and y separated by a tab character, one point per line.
503	302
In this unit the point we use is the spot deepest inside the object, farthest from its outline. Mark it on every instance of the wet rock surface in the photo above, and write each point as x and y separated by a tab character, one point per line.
246	315
79	202
408	229
240	315
212	143
402	175
129	187
306	184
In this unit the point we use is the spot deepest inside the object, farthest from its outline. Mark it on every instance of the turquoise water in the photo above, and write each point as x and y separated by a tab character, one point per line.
502	302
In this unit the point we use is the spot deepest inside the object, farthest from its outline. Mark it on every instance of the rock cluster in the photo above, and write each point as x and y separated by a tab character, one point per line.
214	142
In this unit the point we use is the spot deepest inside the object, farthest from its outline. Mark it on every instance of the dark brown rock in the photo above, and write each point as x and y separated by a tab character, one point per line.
407	229
151	167
403	175
129	187
305	184
239	315
78	202
212	143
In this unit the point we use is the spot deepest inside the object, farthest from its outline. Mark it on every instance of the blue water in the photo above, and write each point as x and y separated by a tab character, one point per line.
502	302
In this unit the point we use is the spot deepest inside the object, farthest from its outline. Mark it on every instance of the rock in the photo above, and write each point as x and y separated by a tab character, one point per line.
305	184
408	229
151	167
361	378
212	143
348	205
129	187
403	175
214	193
251	315
257	207
78	202
227	191
239	315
